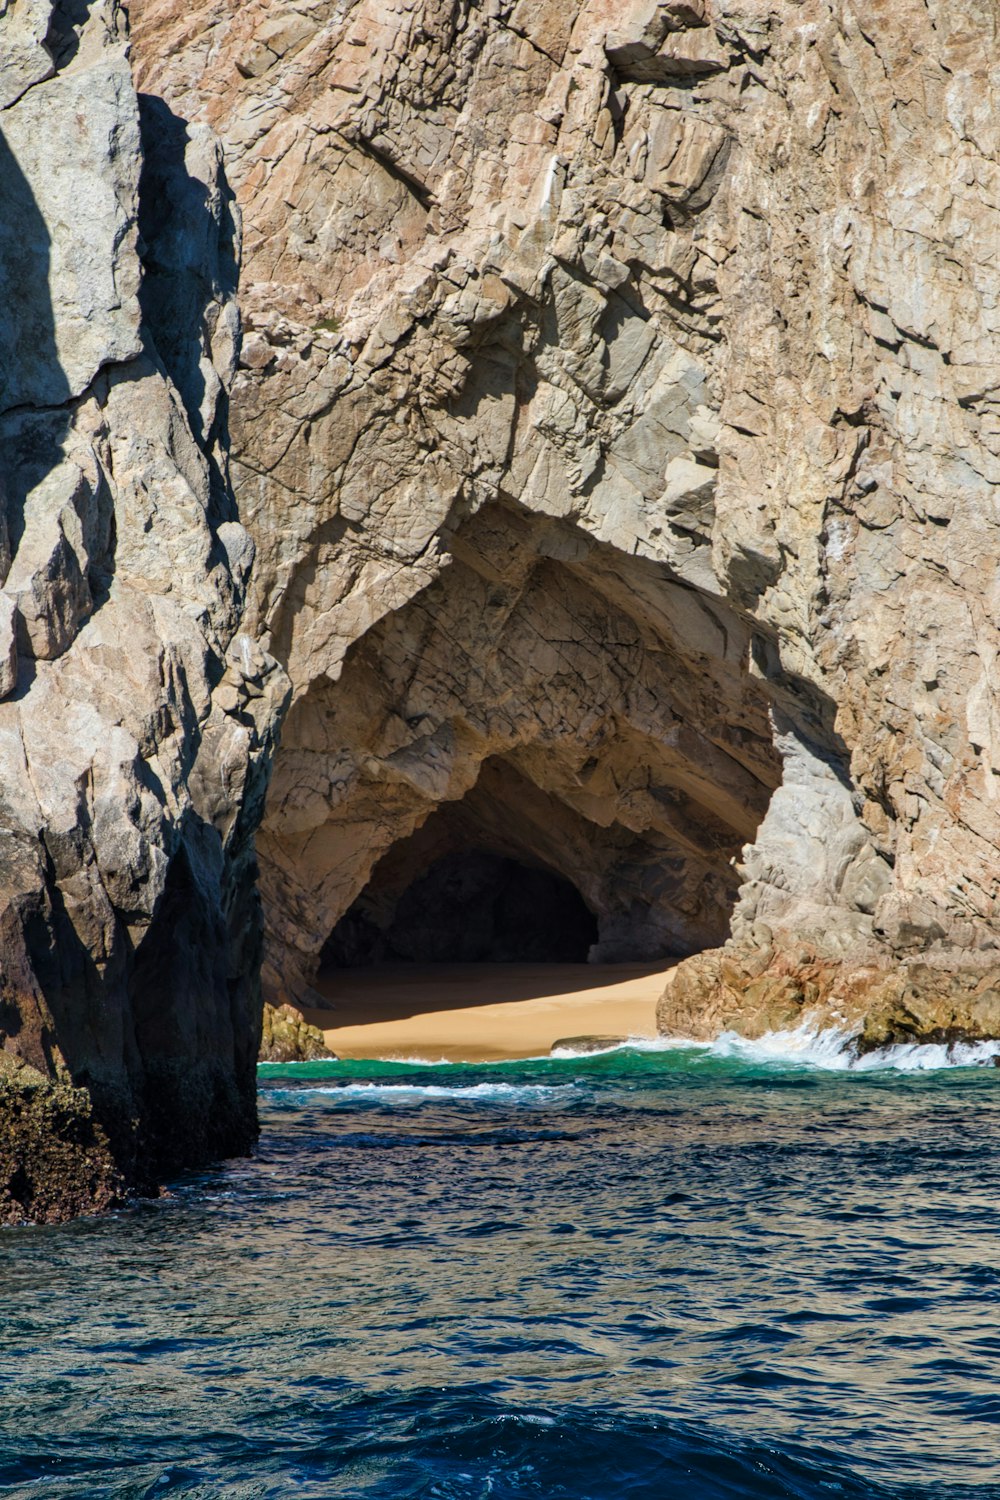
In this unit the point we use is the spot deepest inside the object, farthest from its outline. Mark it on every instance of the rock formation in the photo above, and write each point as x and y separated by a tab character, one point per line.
137	719
455	411
617	428
286	1037
616	438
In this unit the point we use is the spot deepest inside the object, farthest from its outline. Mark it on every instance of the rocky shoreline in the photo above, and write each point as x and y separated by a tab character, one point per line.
754	991
573	431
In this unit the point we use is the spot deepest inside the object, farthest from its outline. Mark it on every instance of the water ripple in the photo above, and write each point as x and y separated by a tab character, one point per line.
683	1273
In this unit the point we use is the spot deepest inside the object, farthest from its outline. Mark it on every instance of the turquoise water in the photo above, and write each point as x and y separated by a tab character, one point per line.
659	1274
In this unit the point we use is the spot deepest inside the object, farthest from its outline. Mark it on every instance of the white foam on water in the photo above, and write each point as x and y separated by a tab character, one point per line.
575	1053
833	1048
403	1092
807	1045
420	1062
918	1057
629	1044
803	1044
663	1044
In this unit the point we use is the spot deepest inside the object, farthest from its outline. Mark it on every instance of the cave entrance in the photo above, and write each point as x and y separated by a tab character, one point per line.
469	906
485	879
548	739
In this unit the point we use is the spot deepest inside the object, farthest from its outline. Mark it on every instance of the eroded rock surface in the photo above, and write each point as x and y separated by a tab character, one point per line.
873	1005
137	716
56	1160
617	422
286	1037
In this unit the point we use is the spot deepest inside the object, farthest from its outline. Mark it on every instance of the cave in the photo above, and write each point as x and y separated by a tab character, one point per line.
549	723
505	874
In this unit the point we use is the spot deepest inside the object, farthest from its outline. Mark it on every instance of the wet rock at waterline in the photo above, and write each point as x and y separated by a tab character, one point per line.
759	990
55	1158
586	1044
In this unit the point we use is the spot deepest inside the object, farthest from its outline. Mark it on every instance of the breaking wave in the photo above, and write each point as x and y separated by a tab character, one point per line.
809	1046
835	1048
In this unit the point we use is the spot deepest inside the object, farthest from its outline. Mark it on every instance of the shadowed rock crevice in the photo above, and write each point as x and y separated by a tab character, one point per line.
30	372
190	245
137	722
66	23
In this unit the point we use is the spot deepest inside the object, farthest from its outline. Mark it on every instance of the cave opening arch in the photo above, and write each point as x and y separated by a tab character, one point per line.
549	701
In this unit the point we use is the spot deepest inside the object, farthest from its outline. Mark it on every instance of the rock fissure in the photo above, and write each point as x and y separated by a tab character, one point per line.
122	598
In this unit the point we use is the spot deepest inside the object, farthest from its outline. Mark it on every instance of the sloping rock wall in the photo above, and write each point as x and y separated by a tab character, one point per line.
618	406
137	716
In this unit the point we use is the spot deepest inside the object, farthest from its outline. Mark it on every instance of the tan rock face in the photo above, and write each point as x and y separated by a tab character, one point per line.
137	720
877	1004
617	430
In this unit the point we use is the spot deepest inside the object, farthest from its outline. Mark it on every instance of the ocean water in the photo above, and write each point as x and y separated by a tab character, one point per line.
743	1271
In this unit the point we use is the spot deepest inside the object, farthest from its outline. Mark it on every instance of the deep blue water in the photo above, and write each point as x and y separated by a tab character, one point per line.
646	1275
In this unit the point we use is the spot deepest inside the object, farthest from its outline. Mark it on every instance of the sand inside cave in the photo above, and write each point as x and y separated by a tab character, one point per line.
481	1012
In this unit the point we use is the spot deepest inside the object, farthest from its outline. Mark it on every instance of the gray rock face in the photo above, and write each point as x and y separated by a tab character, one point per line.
68	307
617	433
137	719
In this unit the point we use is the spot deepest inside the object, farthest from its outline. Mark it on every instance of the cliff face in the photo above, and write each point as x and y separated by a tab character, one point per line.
614	452
136	716
617	427
463	384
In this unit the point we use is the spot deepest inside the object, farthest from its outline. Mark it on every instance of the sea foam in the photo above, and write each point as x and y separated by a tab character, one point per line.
807	1045
403	1093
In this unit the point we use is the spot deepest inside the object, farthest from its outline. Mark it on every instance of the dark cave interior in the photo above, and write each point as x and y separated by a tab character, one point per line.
469	906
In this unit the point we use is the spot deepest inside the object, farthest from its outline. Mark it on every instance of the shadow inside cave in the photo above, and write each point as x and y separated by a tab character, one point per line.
396	992
472	905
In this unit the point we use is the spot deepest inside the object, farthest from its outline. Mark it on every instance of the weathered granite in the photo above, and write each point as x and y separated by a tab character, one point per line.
873	1004
617	429
138	717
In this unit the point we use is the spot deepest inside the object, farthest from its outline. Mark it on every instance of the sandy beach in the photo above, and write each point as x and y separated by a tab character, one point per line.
480	1012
